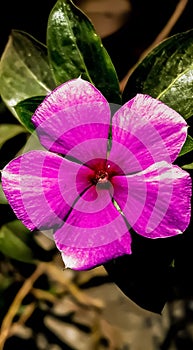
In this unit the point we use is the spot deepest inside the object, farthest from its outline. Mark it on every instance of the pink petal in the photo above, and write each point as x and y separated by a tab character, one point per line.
94	231
86	258
41	188
70	117
150	130
156	202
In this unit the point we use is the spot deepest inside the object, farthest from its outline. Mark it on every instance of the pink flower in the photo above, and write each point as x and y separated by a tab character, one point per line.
99	176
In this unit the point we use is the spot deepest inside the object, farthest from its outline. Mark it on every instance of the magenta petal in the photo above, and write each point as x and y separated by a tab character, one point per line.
158	200
41	188
150	130
86	258
93	224
70	117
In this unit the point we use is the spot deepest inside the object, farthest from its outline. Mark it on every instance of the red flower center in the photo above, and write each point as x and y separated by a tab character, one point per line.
101	177
101	174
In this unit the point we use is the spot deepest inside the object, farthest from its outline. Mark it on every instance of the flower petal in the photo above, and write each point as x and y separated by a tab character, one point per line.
94	231
87	258
158	200
72	114
151	131
41	188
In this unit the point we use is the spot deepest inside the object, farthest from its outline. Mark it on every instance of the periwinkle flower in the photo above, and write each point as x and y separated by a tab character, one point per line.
99	175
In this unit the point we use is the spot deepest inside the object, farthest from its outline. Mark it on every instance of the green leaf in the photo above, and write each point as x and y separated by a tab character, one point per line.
19	230
76	50
3	199
26	108
187	147
7	131
12	246
166	73
188	166
24	70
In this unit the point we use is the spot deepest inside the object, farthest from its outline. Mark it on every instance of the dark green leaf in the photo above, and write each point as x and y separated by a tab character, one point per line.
26	108
166	73
12	246
76	50
18	228
187	147
24	70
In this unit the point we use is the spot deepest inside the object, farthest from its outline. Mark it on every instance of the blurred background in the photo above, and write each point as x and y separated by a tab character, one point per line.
43	306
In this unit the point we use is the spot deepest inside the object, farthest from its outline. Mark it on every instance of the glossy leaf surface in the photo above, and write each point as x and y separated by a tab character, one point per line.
24	70
166	73
76	50
25	110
